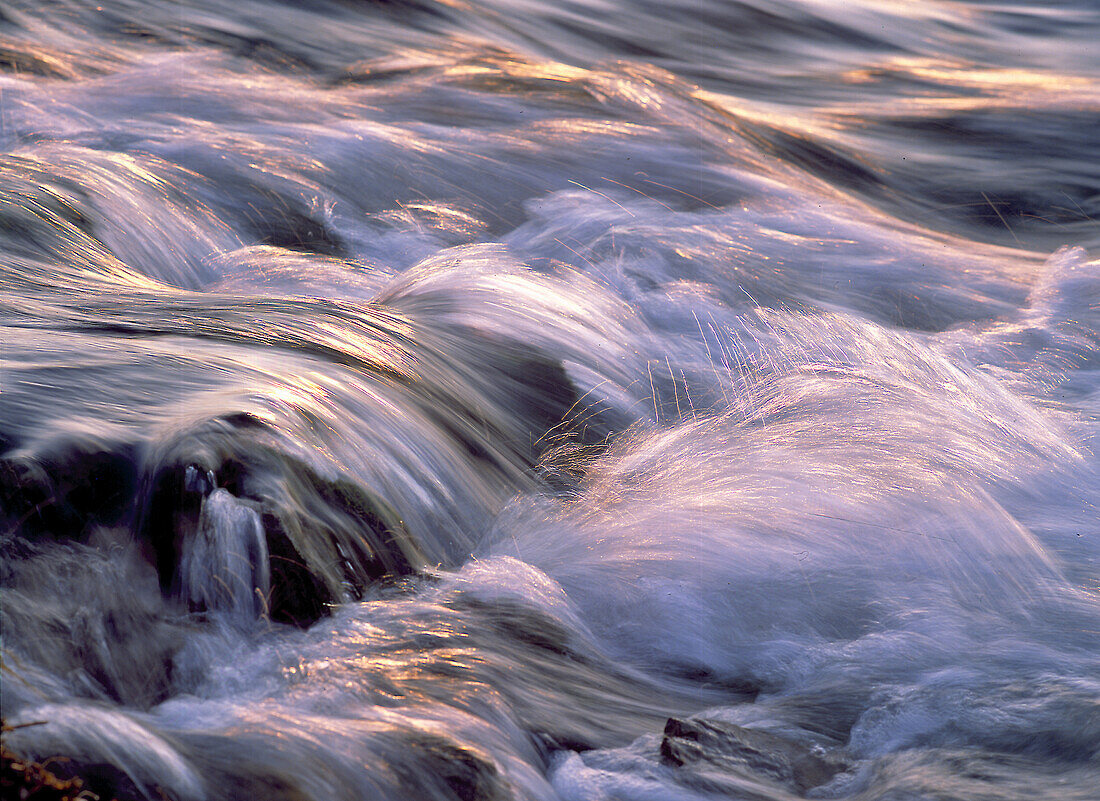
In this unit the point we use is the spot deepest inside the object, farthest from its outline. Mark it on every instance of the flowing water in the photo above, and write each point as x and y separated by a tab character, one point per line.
552	399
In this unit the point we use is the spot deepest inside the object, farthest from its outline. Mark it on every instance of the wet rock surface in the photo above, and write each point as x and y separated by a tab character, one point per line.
711	749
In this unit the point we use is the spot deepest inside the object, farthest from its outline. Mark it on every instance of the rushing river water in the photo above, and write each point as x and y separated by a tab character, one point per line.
646	400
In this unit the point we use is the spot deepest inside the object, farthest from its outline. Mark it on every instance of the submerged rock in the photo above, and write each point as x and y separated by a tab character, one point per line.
33	781
713	746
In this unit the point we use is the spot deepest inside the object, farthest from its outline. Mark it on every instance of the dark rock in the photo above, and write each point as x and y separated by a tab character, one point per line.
26	779
102	781
712	745
67	489
326	539
29	503
274	219
298	597
466	775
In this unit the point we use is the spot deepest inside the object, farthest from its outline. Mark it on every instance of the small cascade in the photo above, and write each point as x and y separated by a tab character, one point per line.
224	566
